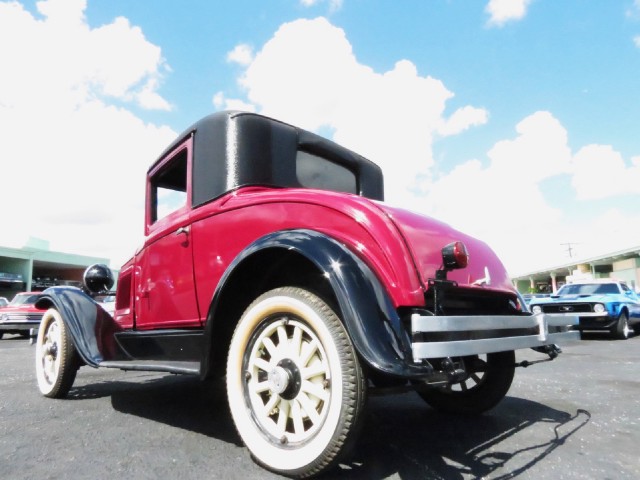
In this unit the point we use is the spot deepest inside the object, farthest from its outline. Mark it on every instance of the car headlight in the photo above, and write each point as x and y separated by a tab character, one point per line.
536	309
598	308
3	317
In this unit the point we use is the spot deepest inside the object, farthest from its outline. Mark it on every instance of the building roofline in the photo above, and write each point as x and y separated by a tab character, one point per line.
625	253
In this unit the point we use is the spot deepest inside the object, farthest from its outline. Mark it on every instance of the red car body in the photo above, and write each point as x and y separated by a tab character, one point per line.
271	260
402	248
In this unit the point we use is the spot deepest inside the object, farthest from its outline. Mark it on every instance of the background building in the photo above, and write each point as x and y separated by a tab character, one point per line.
34	267
623	265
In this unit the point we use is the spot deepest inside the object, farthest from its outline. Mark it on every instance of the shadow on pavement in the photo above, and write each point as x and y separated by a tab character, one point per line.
176	400
413	441
401	435
597	336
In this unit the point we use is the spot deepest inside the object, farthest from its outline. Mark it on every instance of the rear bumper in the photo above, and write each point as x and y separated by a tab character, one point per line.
458	336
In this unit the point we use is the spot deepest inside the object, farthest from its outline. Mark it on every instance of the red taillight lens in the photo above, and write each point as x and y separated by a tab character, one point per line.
455	256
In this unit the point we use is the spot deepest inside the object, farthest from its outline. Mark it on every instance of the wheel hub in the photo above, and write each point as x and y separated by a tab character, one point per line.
279	380
284	379
51	349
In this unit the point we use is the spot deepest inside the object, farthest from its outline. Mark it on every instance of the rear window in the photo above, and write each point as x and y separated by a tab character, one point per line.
313	171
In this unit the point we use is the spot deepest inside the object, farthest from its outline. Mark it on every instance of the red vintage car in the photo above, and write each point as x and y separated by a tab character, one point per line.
21	314
272	260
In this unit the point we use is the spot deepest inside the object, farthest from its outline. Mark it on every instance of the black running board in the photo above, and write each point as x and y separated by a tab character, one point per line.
187	368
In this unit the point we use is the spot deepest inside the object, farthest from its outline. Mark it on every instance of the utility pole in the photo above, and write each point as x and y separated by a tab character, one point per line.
569	249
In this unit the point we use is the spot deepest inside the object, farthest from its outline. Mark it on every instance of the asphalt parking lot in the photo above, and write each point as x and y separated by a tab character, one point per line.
577	417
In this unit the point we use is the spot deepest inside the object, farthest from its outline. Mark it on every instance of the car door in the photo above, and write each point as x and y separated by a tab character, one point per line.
165	291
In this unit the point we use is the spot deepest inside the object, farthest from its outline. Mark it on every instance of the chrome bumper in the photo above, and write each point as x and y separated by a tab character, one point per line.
473	335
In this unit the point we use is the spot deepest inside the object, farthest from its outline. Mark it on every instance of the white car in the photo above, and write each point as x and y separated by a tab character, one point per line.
108	302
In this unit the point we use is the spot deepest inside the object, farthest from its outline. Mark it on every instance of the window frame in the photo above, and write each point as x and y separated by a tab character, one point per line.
152	221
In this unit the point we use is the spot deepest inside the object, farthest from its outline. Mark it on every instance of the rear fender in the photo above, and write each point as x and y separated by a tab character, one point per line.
365	307
91	327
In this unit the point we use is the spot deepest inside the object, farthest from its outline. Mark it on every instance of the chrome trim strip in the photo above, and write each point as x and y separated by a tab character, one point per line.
604	315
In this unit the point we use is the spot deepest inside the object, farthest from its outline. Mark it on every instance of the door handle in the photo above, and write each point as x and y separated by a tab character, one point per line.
183	231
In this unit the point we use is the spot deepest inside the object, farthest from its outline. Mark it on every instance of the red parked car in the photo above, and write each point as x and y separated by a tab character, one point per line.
21	314
272	260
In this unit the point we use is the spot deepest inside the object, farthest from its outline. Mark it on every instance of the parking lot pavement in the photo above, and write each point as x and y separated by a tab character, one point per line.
574	418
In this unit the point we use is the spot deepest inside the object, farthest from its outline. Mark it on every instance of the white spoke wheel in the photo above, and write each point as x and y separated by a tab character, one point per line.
488	380
56	358
295	387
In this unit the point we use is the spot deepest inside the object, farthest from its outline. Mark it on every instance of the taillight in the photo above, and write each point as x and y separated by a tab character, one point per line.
455	256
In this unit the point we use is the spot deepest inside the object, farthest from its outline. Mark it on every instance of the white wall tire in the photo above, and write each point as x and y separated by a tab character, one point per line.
294	384
56	358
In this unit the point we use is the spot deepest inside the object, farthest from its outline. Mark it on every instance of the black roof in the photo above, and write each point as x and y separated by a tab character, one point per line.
233	149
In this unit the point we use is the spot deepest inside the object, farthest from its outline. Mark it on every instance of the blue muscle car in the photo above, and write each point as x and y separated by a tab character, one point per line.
610	306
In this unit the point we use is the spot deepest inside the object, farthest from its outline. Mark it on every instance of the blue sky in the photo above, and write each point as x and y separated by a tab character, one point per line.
513	120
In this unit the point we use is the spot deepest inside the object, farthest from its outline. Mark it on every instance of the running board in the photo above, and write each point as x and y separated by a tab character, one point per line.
187	368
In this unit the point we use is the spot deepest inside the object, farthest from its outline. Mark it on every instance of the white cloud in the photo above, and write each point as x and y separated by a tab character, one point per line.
600	172
633	11
333	4
70	59
491	202
221	102
462	119
606	231
328	87
636	41
242	54
503	203
540	151
503	11
76	164
609	231
149	98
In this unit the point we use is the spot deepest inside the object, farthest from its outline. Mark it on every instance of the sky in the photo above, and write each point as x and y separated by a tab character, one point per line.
515	121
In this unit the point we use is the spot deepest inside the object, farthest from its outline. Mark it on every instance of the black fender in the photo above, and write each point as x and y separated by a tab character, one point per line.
370	318
92	329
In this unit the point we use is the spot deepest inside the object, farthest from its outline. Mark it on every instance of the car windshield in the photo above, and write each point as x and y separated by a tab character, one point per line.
28	299
589	289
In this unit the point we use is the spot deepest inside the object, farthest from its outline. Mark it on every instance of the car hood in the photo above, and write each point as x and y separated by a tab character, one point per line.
575	298
426	237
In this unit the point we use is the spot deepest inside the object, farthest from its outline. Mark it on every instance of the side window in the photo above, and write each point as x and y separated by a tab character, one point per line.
169	186
313	171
